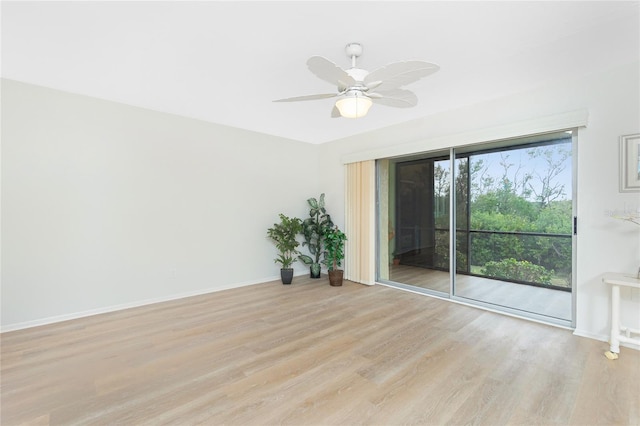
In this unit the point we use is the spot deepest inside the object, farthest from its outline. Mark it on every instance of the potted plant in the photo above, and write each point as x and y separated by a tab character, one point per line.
334	245
314	229
284	235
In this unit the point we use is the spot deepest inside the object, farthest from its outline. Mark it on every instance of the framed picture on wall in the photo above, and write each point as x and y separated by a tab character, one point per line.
630	163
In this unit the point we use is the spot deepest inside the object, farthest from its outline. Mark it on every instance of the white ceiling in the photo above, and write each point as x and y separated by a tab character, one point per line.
225	62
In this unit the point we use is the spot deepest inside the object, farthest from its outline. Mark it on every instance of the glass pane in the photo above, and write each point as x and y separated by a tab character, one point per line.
417	212
514	218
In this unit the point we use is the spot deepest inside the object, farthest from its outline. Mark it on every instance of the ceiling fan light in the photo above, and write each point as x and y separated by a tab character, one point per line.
354	105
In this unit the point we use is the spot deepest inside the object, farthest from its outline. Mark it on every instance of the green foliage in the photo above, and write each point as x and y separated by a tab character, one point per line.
487	221
314	229
522	216
441	250
334	244
307	260
284	235
555	218
507	207
520	270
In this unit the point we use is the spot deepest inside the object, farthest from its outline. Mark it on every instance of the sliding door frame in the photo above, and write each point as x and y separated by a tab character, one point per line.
453	249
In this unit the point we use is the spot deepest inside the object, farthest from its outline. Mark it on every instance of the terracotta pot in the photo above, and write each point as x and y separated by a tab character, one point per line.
335	277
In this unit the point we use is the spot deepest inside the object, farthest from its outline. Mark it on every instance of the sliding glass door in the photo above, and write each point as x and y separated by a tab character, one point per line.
513	218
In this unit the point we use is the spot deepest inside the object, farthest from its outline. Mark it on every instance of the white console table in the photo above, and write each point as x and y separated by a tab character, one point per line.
619	333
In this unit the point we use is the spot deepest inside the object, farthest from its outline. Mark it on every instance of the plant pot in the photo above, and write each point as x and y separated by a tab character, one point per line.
396	261
314	270
286	275
335	277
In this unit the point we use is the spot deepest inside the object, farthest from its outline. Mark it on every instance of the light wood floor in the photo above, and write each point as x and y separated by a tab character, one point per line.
539	300
311	354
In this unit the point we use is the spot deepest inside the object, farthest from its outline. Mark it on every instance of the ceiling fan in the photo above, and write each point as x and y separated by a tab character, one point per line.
358	88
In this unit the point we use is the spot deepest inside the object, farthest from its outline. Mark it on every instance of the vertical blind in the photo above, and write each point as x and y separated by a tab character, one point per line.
360	248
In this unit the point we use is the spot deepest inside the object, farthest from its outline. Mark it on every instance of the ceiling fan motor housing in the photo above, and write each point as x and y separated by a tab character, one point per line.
357	74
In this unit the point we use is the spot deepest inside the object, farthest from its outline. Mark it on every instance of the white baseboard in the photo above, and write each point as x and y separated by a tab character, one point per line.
603	338
106	309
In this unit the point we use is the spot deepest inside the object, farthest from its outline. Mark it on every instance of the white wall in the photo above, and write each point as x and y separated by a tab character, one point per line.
604	244
106	205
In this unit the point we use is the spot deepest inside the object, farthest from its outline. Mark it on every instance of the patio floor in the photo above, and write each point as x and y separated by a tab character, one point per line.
538	300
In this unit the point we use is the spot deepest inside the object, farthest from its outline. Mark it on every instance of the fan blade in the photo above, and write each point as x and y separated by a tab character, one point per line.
335	112
308	97
399	98
330	72
374	84
399	74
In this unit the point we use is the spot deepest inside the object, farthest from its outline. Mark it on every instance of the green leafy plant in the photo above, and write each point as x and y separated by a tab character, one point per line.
520	270
314	229
284	235
334	244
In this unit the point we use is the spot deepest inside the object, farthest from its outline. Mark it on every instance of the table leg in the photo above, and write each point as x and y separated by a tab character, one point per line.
614	348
